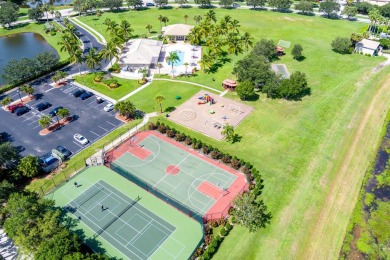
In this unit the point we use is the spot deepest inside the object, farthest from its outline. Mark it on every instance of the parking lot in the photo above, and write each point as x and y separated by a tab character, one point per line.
90	120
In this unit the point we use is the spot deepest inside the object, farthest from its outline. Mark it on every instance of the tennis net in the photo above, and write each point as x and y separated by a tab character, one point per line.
116	217
90	197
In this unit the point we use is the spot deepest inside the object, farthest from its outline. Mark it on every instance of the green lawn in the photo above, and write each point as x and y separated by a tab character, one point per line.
126	86
291	143
37	28
144	100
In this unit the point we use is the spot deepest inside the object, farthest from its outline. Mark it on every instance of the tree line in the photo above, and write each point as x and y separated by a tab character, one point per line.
254	71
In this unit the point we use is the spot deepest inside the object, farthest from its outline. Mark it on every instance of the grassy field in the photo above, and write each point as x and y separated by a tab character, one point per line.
37	28
168	90
298	146
126	86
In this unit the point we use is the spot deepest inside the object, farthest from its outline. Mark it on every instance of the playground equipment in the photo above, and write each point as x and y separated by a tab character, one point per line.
206	99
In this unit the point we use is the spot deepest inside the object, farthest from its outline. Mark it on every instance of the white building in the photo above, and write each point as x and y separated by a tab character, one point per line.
367	47
178	32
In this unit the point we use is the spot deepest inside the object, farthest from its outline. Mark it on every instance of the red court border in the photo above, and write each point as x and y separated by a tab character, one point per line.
140	152
222	205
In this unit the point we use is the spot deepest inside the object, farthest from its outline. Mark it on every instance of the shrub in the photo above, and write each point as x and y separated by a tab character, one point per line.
213	223
208	239
342	45
226	158
112	83
180	137
233	220
205	149
171	133
52	33
98	79
162	128
188	141
215	154
142	81
207	229
235	164
115	68
152	126
221	221
223	232
157	123
228	227
385	43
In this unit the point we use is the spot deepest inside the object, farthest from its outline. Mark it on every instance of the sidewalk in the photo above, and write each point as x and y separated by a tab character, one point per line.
7	248
131	132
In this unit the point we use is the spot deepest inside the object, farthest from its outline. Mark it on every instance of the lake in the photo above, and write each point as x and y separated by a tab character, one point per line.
21	45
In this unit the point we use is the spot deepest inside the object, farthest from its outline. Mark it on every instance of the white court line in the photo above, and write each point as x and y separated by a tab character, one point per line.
169	184
111	124
103	128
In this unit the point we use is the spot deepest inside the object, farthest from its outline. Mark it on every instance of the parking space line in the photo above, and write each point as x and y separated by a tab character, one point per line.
69	89
94	133
49	89
111	124
103	128
82	147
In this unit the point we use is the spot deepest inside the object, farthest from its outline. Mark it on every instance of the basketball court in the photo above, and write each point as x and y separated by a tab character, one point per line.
189	181
207	118
130	227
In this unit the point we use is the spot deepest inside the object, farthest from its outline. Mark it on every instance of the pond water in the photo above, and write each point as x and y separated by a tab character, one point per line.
52	2
21	45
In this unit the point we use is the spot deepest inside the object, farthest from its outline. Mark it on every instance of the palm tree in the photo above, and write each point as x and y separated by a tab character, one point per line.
6	101
55	78
159	100
149	27
98	15
211	16
58	15
61	74
125	30
44	121
144	72
46	8
109	51
172	58
165	20
159	66
197	19
27	89
160	19
228	133
68	44
125	108
235	46
63	113
247	41
186	18
79	58
186	65
92	59
205	62
233	26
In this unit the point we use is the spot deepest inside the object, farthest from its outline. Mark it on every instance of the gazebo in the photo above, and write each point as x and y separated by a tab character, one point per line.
229	84
178	32
280	51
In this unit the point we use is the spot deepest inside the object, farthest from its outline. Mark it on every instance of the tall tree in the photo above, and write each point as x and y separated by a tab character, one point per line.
250	212
228	133
159	100
149	27
210	16
247	41
294	87
109	51
9	13
172	59
181	2
125	30
197	19
79	58
46	8
134	3
44	121
185	18
63	112
245	90
28	89
304	7
329	7
92	59
235	46
125	108
256	3
165	20
35	14
226	3
6	101
296	51
160	3
29	166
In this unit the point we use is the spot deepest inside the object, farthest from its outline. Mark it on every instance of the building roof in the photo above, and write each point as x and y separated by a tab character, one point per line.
370	44
177	29
141	52
229	82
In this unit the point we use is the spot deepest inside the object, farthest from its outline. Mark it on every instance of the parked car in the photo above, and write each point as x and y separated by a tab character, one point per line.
54	111
21	110
108	107
65	152
235	5
78	93
86	95
80	139
99	100
42	106
149	4
12	108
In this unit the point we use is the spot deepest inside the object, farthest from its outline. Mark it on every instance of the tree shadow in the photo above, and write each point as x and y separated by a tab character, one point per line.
286	11
207	7
332	16
236	138
185	6
5	137
258	9
298	97
170	109
306	13
38	96
254	97
301	58
166	7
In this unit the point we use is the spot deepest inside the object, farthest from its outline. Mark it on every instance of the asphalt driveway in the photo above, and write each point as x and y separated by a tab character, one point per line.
91	121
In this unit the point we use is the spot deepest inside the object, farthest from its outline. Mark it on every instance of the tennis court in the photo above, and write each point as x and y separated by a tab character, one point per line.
122	220
201	184
126	225
281	69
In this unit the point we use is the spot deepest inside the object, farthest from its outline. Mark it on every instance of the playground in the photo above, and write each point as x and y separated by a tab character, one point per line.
118	218
208	113
198	186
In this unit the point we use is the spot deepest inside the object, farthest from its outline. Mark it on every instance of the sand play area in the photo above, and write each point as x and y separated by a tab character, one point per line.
207	113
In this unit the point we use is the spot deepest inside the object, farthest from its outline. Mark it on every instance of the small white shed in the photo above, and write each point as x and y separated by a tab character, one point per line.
367	47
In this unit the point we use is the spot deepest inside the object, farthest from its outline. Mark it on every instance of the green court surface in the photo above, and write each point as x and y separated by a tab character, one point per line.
120	219
193	173
284	44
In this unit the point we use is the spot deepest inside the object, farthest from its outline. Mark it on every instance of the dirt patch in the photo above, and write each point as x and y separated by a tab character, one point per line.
124	119
56	126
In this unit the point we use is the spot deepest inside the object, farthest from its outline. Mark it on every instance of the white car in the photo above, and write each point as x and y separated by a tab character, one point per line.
80	139
108	107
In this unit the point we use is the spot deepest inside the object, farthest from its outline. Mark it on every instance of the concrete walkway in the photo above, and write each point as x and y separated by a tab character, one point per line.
125	136
191	83
224	93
